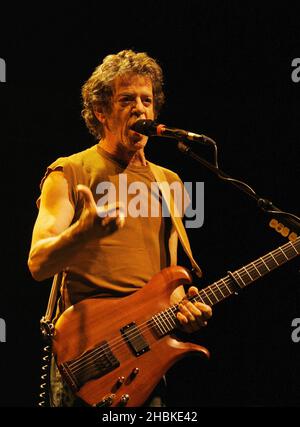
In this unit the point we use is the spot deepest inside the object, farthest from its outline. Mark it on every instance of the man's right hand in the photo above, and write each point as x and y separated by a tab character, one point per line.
96	222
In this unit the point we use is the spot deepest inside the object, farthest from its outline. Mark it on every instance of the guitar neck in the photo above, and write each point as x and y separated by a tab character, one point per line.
248	274
166	321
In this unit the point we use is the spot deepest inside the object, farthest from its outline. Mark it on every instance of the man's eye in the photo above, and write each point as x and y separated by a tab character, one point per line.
125	100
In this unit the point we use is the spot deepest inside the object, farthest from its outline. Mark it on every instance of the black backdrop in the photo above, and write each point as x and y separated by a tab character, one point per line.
227	74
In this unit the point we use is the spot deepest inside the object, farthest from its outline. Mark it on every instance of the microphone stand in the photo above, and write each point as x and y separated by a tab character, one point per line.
263	203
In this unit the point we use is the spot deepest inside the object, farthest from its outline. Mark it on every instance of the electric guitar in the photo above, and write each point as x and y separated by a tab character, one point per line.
113	352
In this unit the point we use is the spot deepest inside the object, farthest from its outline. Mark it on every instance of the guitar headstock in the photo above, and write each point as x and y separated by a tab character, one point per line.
283	230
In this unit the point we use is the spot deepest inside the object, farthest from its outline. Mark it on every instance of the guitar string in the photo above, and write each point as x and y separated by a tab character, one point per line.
208	292
172	309
96	354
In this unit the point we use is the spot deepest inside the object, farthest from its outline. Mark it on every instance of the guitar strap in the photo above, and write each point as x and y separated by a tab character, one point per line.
178	229
46	321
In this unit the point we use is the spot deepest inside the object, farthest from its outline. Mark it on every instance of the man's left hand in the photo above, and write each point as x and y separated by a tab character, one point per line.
193	316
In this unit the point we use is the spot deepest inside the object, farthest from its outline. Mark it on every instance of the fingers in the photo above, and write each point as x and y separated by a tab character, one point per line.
109	212
112	224
204	308
113	215
193	291
189	313
99	221
193	315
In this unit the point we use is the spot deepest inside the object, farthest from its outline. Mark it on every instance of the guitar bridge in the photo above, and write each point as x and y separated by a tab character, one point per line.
135	339
92	364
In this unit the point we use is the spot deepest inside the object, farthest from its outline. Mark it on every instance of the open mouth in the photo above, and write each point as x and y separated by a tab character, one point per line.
131	127
134	132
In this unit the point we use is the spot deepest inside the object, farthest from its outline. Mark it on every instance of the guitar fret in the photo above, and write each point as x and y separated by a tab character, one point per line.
213	295
174	310
219	291
228	289
252	271
167	324
280	257
283	253
199	297
274	258
262	268
292	246
158	324
271	262
244	284
162	325
203	290
253	263
170	314
247	272
165	321
265	264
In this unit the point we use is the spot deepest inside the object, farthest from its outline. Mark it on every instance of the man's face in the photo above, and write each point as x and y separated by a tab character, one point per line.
132	100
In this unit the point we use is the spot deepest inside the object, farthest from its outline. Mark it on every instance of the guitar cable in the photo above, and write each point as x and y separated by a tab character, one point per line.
44	400
47	329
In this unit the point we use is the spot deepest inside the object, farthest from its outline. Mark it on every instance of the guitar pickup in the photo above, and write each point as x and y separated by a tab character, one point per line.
134	339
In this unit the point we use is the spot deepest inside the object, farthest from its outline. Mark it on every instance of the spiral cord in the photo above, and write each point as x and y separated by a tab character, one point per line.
47	330
44	393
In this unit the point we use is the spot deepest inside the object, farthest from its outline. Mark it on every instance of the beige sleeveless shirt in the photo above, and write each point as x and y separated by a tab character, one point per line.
125	261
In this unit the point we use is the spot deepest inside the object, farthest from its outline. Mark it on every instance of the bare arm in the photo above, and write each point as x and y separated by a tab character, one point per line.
56	243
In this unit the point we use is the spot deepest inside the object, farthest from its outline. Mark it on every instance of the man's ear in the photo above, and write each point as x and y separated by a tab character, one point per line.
100	116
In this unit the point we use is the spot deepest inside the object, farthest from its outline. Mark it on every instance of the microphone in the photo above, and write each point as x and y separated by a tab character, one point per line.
151	128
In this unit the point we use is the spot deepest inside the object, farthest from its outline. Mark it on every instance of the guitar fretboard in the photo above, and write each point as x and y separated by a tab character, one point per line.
166	320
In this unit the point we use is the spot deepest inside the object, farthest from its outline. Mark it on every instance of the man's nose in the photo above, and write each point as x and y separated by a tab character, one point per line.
139	107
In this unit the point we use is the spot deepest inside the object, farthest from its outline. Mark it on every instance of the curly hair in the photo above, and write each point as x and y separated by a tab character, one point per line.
97	91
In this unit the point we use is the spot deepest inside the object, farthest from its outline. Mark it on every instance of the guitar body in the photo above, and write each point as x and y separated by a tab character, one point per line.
109	350
112	352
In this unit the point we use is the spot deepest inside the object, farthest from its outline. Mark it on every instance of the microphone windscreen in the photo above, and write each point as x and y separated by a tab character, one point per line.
145	127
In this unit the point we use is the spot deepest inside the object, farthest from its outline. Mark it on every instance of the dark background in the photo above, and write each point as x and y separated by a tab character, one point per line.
227	69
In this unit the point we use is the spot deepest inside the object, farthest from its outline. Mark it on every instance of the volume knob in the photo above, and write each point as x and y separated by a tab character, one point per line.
124	399
106	400
120	381
134	372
